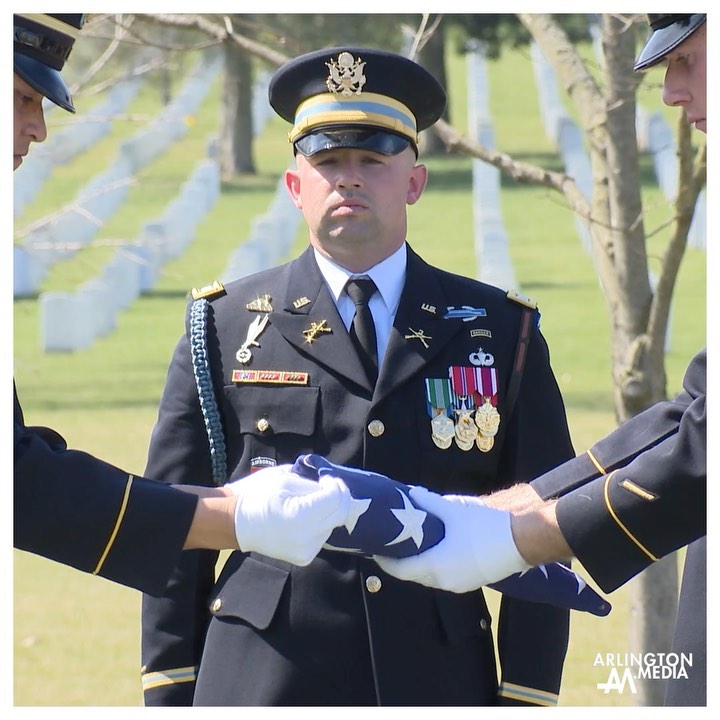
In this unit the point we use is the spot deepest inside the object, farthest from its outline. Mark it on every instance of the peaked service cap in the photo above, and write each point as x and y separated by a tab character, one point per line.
354	97
666	33
42	44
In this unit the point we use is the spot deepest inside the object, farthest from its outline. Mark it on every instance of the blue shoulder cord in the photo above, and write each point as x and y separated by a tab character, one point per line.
206	393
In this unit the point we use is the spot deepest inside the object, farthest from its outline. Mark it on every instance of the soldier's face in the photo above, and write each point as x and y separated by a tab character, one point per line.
354	202
686	78
29	120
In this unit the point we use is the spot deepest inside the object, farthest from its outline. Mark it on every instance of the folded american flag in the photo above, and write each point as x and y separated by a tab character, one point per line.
554	584
385	521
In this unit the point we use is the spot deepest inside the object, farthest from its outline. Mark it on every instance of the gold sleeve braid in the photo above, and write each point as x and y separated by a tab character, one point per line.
613	514
118	523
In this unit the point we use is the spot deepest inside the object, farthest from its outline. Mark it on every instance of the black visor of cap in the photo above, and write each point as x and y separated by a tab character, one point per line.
665	39
46	80
379	141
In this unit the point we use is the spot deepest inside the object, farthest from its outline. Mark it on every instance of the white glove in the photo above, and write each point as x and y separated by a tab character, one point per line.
285	516
478	547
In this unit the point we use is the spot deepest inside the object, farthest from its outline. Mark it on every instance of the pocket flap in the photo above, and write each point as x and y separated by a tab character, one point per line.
250	591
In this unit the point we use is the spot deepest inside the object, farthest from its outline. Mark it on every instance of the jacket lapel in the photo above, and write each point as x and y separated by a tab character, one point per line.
419	332
307	304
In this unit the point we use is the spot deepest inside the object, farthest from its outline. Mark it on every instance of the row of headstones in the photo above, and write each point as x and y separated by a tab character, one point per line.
61	237
494	265
74	320
271	238
561	129
271	234
68	142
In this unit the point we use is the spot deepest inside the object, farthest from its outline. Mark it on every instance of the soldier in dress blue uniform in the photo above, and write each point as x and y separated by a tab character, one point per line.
450	388
636	495
78	510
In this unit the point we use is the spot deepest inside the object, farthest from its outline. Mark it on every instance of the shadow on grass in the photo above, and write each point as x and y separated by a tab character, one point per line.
249	183
454	172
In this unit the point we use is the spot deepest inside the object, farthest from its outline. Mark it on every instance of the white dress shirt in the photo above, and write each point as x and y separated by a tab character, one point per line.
389	278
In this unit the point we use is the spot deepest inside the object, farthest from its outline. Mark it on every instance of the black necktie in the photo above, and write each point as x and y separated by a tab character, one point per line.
362	330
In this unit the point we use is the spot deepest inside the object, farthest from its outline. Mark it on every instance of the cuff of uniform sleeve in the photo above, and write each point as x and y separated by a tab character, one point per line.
566	477
512	694
598	537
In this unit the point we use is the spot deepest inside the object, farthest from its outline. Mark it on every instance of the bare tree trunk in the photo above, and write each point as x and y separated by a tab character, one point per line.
432	58
653	608
236	128
635	377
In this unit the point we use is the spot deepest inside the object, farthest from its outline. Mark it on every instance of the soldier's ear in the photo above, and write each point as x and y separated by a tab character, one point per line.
292	183
418	181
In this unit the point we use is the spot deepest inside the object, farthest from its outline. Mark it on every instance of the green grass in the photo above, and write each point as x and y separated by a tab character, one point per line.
77	637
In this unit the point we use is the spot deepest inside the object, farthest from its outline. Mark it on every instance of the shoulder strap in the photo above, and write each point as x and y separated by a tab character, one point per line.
526	321
206	392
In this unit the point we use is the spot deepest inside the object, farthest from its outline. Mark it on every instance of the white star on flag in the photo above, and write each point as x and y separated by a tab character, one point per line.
412	521
357	509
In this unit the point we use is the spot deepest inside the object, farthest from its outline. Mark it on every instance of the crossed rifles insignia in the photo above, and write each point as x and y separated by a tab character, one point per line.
315	329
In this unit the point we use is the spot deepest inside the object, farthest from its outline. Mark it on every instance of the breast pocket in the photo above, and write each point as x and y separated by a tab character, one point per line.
269	425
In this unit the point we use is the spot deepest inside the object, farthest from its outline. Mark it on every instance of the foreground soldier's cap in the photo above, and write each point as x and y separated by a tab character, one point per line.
353	97
42	45
666	33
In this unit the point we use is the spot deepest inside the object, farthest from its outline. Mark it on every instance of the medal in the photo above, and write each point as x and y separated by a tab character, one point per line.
438	400
485	444
442	444
487	419
465	429
462	380
443	429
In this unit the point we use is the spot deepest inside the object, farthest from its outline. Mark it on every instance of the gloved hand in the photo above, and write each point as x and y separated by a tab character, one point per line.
478	548
287	517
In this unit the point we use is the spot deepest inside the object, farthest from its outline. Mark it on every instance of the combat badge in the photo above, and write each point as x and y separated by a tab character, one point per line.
244	355
466	312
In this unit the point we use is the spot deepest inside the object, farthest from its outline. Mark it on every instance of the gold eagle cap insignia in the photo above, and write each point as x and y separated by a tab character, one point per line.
346	75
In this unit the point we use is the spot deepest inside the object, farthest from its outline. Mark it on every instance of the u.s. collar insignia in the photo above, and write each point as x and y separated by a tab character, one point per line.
301	302
346	75
260	304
